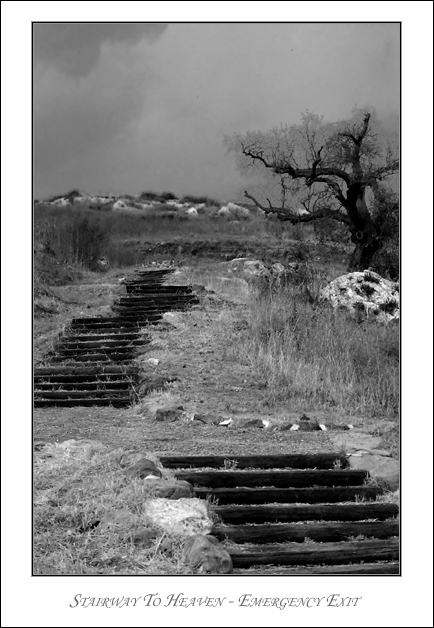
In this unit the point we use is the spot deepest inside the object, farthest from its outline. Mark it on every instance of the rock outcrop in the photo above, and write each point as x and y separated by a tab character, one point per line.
367	293
204	554
144	468
246	268
182	517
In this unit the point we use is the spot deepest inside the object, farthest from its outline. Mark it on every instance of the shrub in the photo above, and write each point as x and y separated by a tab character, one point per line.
77	237
195	199
329	230
149	196
301	252
385	262
87	241
168	196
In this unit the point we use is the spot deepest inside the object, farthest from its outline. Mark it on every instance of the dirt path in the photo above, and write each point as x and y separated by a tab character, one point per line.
200	349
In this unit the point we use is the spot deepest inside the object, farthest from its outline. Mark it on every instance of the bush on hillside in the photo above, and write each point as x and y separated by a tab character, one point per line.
149	196
168	196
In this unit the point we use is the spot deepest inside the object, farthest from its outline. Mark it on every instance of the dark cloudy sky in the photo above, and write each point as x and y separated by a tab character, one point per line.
132	107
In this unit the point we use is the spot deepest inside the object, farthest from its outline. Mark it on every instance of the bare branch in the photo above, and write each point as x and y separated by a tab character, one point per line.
295	173
364	128
248	153
332	184
349	135
386	170
287	215
317	161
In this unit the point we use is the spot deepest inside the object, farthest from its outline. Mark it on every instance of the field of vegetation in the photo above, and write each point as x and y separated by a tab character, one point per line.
305	351
265	351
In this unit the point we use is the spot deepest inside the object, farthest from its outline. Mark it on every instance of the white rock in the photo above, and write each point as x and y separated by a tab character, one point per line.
192	211
294	428
124	207
80	199
177	204
238	211
239	285
61	202
153	361
226	423
384	470
224	212
356	441
181	517
365	291
247	268
119	205
174	319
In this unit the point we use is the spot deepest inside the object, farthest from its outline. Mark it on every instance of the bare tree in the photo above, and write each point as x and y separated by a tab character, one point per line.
332	166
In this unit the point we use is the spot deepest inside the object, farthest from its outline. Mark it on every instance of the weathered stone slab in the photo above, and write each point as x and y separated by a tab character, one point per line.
182	517
205	555
382	469
354	440
365	292
144	468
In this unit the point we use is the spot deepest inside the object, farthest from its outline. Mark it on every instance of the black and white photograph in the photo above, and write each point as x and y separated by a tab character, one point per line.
216	283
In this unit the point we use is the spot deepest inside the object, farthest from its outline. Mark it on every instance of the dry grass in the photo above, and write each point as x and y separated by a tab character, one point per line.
296	350
302	351
86	512
79	237
55	307
315	357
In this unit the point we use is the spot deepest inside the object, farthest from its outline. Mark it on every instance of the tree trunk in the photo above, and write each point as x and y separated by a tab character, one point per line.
363	231
363	253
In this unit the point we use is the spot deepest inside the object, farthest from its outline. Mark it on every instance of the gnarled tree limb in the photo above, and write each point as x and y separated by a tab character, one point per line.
287	215
297	173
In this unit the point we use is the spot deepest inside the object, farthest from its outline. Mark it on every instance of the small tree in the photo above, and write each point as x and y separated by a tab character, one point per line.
327	170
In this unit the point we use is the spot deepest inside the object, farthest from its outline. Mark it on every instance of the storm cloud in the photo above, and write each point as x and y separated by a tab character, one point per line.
128	107
74	49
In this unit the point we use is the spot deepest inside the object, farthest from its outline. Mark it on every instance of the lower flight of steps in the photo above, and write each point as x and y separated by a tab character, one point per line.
295	514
